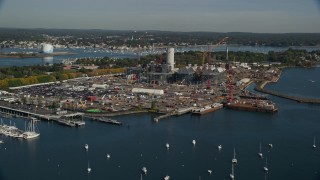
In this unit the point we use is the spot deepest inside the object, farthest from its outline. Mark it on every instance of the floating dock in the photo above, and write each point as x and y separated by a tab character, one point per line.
108	120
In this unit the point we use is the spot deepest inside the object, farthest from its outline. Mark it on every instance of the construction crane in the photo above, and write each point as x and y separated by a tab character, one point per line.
229	78
210	47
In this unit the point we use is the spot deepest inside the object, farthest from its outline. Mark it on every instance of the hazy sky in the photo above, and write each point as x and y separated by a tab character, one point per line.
173	15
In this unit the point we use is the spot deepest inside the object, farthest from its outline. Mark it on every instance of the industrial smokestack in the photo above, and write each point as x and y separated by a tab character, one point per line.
170	58
227	54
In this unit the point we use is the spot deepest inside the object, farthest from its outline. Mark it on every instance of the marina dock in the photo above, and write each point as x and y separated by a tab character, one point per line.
66	119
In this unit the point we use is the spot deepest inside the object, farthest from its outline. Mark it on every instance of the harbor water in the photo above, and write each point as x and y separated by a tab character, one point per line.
59	152
100	53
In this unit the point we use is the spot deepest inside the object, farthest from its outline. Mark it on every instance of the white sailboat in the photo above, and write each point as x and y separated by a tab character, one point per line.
260	153
167	145
86	146
232	173
210	171
144	170
234	160
166	177
194	142
30	131
314	142
220	147
265	168
89	169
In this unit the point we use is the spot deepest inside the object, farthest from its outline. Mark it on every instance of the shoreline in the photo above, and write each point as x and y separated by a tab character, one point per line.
34	55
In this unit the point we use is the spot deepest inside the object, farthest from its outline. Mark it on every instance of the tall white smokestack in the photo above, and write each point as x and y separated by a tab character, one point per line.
170	58
227	54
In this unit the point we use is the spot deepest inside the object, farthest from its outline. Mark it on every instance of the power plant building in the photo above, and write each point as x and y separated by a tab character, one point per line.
160	73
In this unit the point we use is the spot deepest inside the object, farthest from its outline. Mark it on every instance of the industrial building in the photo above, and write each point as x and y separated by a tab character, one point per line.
160	73
148	91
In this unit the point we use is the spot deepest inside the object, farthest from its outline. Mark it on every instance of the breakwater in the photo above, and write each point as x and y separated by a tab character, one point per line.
261	88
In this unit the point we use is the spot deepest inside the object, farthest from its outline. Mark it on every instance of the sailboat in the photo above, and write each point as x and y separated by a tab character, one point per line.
30	131
260	153
89	169
234	160
194	142
167	145
167	177
314	142
144	170
232	173
265	168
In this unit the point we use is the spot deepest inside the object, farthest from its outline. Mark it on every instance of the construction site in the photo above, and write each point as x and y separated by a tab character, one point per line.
164	89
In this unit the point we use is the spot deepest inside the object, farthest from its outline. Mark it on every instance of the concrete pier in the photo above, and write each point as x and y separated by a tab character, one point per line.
177	112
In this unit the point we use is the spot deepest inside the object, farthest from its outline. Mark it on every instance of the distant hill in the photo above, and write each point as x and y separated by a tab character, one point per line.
149	37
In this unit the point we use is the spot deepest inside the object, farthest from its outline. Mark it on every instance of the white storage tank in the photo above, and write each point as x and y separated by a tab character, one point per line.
46	48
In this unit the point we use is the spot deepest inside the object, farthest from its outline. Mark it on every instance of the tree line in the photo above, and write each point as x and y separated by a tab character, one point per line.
148	38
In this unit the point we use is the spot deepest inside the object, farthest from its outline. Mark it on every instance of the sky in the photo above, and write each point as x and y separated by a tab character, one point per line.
261	16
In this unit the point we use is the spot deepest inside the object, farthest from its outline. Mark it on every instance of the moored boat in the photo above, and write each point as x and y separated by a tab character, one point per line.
207	109
252	105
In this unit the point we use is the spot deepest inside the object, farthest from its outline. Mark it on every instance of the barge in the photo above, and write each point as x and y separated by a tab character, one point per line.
207	109
252	105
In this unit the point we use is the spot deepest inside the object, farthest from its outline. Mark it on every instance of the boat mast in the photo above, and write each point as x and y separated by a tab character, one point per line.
260	147
232	171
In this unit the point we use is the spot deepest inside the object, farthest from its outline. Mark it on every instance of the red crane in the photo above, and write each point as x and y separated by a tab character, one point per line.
229	78
209	58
